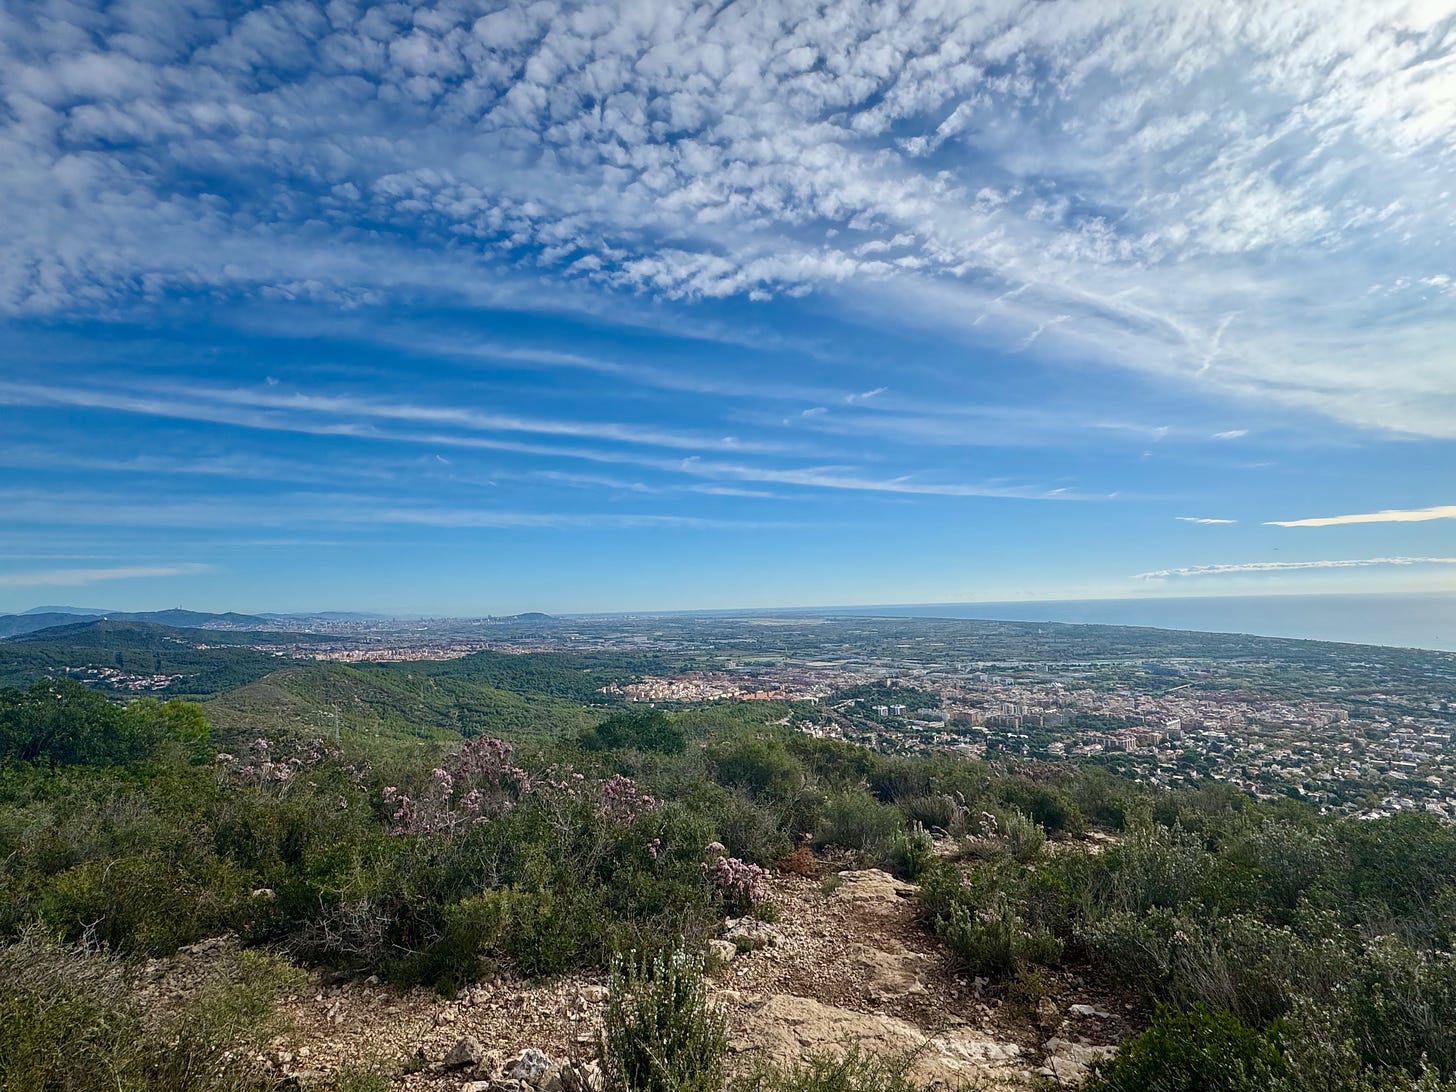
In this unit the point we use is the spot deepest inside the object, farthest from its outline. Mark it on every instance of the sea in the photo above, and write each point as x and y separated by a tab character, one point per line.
1405	621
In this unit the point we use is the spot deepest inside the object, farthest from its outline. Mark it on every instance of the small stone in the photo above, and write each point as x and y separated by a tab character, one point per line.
467	1052
529	1067
725	950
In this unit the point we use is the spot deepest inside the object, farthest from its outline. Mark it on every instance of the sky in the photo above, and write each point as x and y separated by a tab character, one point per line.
470	307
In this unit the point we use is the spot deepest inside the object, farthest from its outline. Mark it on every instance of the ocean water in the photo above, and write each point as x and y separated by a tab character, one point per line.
1406	621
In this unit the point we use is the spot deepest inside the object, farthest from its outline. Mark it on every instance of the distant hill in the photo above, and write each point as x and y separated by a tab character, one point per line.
339	701
573	675
38	618
137	657
90	612
13	625
192	619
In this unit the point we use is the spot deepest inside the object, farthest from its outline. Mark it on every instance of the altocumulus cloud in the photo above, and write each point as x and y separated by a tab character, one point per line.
1227	194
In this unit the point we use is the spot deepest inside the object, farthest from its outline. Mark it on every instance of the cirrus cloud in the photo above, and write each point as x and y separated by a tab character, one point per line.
75	578
1389	515
1290	566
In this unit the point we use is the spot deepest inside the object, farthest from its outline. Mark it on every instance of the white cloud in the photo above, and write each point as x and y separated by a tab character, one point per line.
1231	434
75	578
301	414
1115	180
1203	520
1290	566
1390	515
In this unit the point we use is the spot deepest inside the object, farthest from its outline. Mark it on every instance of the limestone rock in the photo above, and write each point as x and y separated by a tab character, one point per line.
1069	1059
788	1028
530	1067
465	1053
874	891
758	933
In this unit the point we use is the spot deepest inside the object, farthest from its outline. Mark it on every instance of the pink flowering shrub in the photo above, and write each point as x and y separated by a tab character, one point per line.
475	783
739	884
263	767
478	782
617	797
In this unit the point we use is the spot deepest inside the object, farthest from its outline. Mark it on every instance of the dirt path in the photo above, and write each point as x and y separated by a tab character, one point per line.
842	964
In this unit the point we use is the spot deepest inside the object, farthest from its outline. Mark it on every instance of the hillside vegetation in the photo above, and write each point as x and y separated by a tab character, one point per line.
338	701
1265	946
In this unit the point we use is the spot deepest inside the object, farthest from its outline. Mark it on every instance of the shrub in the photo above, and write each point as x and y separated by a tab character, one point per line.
469	932
853	1071
146	905
64	1020
1157	867
994	941
939	811
857	821
69	1024
642	729
1051	808
761	767
1196	1050
60	722
737	883
1023	838
911	852
660	1034
750	830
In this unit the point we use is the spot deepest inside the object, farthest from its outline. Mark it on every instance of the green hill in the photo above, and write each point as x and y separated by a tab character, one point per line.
574	675
338	701
139	657
15	625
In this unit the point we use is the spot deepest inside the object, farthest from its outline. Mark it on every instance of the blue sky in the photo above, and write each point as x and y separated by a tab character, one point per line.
470	307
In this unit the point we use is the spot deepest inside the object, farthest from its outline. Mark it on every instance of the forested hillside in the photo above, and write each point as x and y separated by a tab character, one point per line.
335	701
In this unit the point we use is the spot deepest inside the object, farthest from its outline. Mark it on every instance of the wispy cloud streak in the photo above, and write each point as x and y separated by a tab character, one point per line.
1389	515
1290	566
75	578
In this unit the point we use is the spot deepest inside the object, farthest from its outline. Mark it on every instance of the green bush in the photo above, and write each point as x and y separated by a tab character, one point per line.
660	1034
460	948
1195	1050
853	1071
68	1023
994	941
857	821
911	852
145	905
937	811
1024	838
1052	809
642	729
760	766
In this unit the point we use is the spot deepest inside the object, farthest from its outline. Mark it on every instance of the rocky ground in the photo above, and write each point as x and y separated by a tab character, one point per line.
841	963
